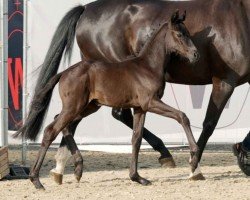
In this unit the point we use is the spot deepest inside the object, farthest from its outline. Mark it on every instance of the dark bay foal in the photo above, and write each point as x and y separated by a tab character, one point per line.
136	83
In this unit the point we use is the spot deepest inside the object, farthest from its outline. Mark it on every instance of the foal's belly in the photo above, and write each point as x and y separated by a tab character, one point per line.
115	95
117	103
119	86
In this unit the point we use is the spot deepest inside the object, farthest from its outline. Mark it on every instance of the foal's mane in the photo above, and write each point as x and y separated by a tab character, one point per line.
150	41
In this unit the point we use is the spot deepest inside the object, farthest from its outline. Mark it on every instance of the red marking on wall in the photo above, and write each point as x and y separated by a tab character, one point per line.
17	3
15	82
14	14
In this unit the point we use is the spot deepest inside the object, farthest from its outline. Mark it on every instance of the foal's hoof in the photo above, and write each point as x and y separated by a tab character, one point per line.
78	178
144	182
167	162
58	178
197	177
38	185
141	180
78	173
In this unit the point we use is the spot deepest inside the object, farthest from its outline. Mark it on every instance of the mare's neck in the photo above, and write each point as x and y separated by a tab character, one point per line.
154	51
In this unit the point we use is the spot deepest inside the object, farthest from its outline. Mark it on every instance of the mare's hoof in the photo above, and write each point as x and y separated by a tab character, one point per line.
167	162
243	158
58	178
197	177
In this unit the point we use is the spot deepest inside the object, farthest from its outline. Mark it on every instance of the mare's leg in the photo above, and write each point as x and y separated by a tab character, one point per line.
139	119
221	92
242	151
63	153
50	134
158	107
125	116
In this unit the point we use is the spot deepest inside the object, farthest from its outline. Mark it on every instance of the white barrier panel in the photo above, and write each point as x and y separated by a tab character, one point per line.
3	73
101	127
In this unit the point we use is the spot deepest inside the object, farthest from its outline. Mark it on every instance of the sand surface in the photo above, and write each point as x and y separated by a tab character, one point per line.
106	177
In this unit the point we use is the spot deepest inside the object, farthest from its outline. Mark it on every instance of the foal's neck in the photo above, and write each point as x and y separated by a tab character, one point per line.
154	51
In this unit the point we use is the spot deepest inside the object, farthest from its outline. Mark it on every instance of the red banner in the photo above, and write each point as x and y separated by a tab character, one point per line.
15	69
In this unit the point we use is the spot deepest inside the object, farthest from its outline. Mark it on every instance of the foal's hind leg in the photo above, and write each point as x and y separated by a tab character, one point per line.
139	119
158	107
125	116
50	134
63	151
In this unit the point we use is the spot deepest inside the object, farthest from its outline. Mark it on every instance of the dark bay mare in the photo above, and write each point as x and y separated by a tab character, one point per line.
136	83
112	30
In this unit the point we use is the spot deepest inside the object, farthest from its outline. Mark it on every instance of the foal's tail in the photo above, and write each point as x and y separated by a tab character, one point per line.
38	108
62	41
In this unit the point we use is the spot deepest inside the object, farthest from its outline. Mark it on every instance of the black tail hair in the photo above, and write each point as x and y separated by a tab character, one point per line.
63	40
38	108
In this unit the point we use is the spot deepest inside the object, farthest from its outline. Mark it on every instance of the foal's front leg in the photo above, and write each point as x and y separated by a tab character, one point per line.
63	151
126	117
78	160
139	119
158	107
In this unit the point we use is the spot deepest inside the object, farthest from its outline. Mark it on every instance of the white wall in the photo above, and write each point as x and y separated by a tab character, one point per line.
44	16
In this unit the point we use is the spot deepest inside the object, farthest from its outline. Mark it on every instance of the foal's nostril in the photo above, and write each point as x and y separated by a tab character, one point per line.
196	55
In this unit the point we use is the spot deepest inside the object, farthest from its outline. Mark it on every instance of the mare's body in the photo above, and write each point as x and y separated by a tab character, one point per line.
219	28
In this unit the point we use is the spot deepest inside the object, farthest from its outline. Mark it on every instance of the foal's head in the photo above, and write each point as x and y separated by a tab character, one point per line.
178	38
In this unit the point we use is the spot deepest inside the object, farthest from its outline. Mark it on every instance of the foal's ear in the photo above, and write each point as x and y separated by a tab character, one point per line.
184	16
175	16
